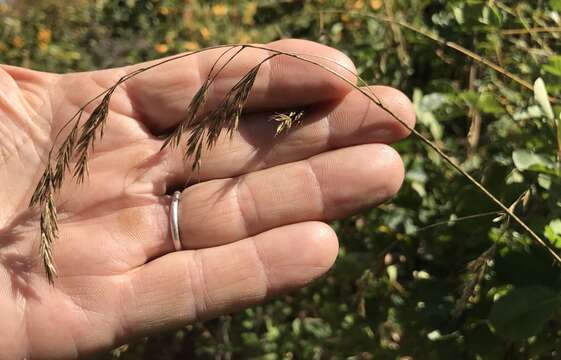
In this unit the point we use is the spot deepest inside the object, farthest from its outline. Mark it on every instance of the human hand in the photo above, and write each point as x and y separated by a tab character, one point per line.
251	223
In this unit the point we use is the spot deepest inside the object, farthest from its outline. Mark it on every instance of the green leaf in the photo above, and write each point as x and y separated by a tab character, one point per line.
525	160
540	94
471	98
555	4
458	12
553	66
526	267
483	343
317	327
523	312
553	232
544	181
425	106
558	134
488	103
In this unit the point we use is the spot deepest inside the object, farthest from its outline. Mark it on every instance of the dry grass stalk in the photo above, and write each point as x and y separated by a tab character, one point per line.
399	40
449	44
474	132
525	31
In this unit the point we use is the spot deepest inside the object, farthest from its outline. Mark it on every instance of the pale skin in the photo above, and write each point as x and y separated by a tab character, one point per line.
252	221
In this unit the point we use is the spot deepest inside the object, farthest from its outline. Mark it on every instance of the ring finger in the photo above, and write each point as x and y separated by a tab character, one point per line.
352	120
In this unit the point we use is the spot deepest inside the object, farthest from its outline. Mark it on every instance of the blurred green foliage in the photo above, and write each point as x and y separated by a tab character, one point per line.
471	289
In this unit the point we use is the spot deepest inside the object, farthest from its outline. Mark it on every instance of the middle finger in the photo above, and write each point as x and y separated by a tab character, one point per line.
352	120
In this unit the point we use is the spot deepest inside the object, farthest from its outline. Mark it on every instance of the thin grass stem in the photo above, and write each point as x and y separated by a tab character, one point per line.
449	44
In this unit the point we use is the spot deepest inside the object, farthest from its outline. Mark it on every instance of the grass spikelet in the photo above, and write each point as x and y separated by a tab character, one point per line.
88	135
64	155
49	227
191	115
43	197
287	120
194	148
226	117
197	103
40	192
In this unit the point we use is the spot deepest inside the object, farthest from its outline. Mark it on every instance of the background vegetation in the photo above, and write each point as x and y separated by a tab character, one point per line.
471	289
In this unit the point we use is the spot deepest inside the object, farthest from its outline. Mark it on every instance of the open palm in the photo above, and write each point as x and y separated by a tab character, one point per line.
250	219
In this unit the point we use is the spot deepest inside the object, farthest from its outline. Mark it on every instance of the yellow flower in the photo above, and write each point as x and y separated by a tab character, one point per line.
18	41
376	4
161	48
44	37
358	4
249	12
205	33
245	38
383	229
219	10
164	10
191	45
170	37
187	17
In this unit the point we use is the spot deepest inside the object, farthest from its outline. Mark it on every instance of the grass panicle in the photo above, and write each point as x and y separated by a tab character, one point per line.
287	120
52	179
476	270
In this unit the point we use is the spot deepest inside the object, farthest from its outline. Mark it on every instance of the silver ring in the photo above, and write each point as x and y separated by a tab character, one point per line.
173	221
